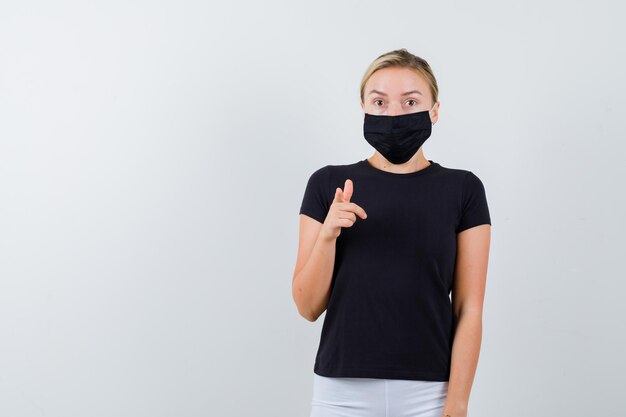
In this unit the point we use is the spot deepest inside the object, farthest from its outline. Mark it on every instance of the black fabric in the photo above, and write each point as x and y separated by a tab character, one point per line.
389	313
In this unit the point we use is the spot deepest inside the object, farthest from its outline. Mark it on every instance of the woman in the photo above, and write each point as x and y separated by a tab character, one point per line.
383	254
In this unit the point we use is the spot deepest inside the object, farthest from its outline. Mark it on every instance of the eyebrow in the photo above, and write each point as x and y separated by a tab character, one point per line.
403	94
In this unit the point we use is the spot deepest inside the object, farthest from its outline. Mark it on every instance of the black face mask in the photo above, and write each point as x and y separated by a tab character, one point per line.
397	138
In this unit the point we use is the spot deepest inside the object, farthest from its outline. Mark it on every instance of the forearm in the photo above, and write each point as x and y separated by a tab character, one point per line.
312	283
465	353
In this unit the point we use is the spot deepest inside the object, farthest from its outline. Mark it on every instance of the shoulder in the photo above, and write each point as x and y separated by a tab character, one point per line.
328	171
320	173
462	176
344	167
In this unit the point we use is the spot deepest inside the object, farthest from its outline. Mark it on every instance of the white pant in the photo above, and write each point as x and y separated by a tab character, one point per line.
376	397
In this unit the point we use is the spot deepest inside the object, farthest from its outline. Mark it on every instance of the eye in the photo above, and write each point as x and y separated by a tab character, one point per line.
413	102
376	101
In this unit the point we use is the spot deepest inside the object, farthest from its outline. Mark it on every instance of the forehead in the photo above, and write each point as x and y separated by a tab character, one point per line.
394	81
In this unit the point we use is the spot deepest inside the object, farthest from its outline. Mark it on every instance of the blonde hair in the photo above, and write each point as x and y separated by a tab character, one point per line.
404	59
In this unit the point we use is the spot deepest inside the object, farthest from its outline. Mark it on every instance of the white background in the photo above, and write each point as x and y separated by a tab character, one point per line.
153	158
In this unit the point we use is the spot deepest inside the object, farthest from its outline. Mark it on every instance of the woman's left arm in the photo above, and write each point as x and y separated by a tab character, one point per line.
468	293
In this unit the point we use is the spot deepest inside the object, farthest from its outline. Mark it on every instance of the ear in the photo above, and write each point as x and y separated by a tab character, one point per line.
362	106
434	113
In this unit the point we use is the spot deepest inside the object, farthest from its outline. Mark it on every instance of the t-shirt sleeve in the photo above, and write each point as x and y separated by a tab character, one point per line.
474	208
317	199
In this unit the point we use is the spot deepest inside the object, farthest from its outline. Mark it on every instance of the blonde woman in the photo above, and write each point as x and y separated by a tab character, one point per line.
395	249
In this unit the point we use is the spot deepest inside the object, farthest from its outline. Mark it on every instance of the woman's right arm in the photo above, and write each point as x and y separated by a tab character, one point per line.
314	269
316	253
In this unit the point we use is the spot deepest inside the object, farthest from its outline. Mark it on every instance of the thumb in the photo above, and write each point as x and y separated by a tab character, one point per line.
338	196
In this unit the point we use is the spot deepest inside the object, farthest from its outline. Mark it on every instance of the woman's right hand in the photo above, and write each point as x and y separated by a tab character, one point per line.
342	213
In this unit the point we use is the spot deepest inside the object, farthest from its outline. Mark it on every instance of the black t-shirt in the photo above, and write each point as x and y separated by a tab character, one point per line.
389	314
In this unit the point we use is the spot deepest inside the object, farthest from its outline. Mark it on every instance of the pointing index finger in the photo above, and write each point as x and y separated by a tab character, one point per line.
348	189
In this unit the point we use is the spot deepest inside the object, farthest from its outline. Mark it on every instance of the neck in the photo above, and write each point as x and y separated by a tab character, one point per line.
417	162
